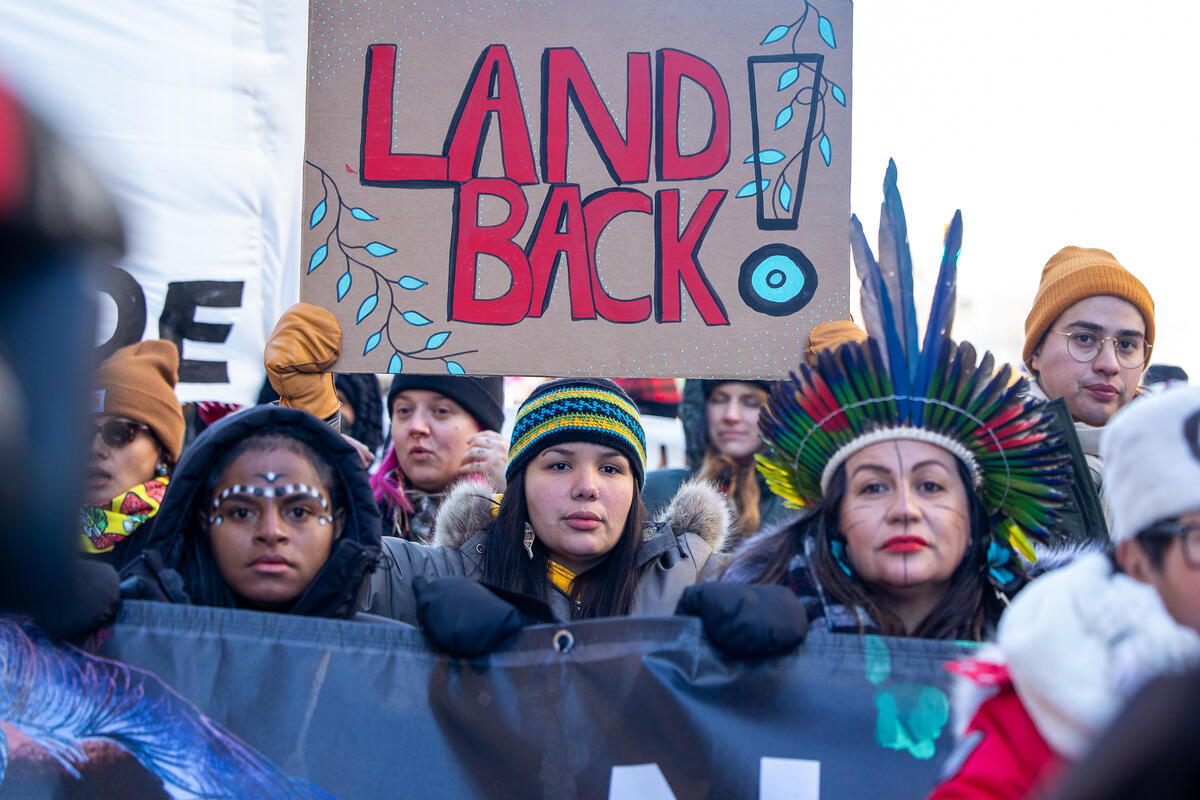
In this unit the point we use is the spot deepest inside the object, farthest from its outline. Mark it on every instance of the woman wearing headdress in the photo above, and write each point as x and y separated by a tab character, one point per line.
922	473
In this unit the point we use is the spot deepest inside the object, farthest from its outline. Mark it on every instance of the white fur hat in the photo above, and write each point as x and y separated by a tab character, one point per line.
1151	455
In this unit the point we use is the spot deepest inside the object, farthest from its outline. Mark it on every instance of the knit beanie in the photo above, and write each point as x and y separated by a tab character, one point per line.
482	398
578	410
138	382
1077	273
1151	455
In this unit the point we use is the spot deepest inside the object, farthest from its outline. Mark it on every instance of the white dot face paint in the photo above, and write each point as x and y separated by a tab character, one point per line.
271	526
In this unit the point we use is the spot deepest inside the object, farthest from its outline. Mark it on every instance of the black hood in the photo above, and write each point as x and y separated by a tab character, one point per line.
334	591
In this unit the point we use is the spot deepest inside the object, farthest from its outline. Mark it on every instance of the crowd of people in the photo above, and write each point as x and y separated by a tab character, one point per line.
895	484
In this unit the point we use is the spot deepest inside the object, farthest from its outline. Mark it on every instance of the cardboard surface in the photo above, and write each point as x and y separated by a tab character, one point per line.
566	188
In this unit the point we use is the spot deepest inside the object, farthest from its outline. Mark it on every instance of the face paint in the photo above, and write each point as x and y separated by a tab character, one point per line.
284	493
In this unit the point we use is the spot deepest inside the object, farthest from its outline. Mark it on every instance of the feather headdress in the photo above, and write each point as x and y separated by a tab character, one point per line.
891	387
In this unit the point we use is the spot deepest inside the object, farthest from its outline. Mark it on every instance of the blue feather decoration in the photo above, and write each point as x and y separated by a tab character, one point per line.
61	697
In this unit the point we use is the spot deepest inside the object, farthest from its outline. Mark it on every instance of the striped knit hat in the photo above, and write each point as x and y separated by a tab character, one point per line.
578	410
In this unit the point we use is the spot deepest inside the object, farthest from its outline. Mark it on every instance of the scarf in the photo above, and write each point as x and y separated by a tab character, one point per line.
106	526
562	578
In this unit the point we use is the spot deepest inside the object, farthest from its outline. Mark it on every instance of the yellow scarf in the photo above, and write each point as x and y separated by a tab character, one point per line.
107	525
562	578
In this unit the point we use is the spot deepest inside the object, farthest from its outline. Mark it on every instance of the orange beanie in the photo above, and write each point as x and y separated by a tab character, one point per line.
828	335
1077	273
138	382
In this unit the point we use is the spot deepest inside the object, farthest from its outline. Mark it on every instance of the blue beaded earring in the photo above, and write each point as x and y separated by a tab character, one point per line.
838	548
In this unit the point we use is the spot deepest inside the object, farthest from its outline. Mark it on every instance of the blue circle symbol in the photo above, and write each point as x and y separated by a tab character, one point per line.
777	279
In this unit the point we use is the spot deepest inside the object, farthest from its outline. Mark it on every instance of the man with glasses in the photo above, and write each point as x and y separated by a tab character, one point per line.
1088	338
1078	642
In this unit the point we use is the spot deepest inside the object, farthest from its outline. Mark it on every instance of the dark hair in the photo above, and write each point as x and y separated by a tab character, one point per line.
968	611
197	566
605	590
738	479
1155	546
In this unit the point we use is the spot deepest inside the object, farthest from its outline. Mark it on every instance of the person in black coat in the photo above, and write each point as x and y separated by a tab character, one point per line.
269	509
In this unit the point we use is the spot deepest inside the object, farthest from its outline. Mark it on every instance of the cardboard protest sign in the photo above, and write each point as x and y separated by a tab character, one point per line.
569	188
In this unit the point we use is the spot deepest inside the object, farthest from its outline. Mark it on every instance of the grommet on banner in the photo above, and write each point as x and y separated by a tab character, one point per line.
564	640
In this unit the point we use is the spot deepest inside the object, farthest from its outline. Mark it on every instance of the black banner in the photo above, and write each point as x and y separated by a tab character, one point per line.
630	708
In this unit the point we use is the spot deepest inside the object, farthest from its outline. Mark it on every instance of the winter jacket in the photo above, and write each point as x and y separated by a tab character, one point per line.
669	560
1070	651
335	589
662	484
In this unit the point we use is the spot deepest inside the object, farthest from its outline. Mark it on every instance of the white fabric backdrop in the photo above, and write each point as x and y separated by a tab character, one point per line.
194	113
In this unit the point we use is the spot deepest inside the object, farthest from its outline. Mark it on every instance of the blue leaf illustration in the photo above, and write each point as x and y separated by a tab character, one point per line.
785	196
437	340
395	365
788	78
752	188
454	368
824	145
318	257
410	283
343	285
378	249
372	341
837	93
783	117
366	308
825	28
766	157
317	215
413	318
358	213
775	34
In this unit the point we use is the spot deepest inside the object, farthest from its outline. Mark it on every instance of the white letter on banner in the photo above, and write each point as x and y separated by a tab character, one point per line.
789	779
639	782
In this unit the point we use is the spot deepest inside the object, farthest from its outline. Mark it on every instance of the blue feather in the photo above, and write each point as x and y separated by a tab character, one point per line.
941	312
62	697
893	235
868	275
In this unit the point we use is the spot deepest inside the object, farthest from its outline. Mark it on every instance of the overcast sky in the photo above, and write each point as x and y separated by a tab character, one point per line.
1048	123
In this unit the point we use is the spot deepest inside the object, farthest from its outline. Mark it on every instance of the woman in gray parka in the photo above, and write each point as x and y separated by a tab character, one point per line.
571	528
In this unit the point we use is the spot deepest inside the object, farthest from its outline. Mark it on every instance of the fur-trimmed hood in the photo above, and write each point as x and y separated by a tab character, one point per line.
696	508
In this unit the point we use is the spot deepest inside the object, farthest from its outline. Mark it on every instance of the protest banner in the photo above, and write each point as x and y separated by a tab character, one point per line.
620	708
193	114
639	189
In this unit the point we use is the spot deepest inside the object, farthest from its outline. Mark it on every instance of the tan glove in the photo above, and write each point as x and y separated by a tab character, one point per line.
304	344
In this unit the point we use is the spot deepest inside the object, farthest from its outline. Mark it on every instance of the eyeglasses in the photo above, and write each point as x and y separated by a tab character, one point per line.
1084	346
120	432
1189	534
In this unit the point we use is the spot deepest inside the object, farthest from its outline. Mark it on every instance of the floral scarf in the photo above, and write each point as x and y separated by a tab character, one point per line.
106	526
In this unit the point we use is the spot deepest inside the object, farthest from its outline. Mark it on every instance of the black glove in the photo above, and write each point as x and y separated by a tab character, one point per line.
463	617
90	601
148	578
747	620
